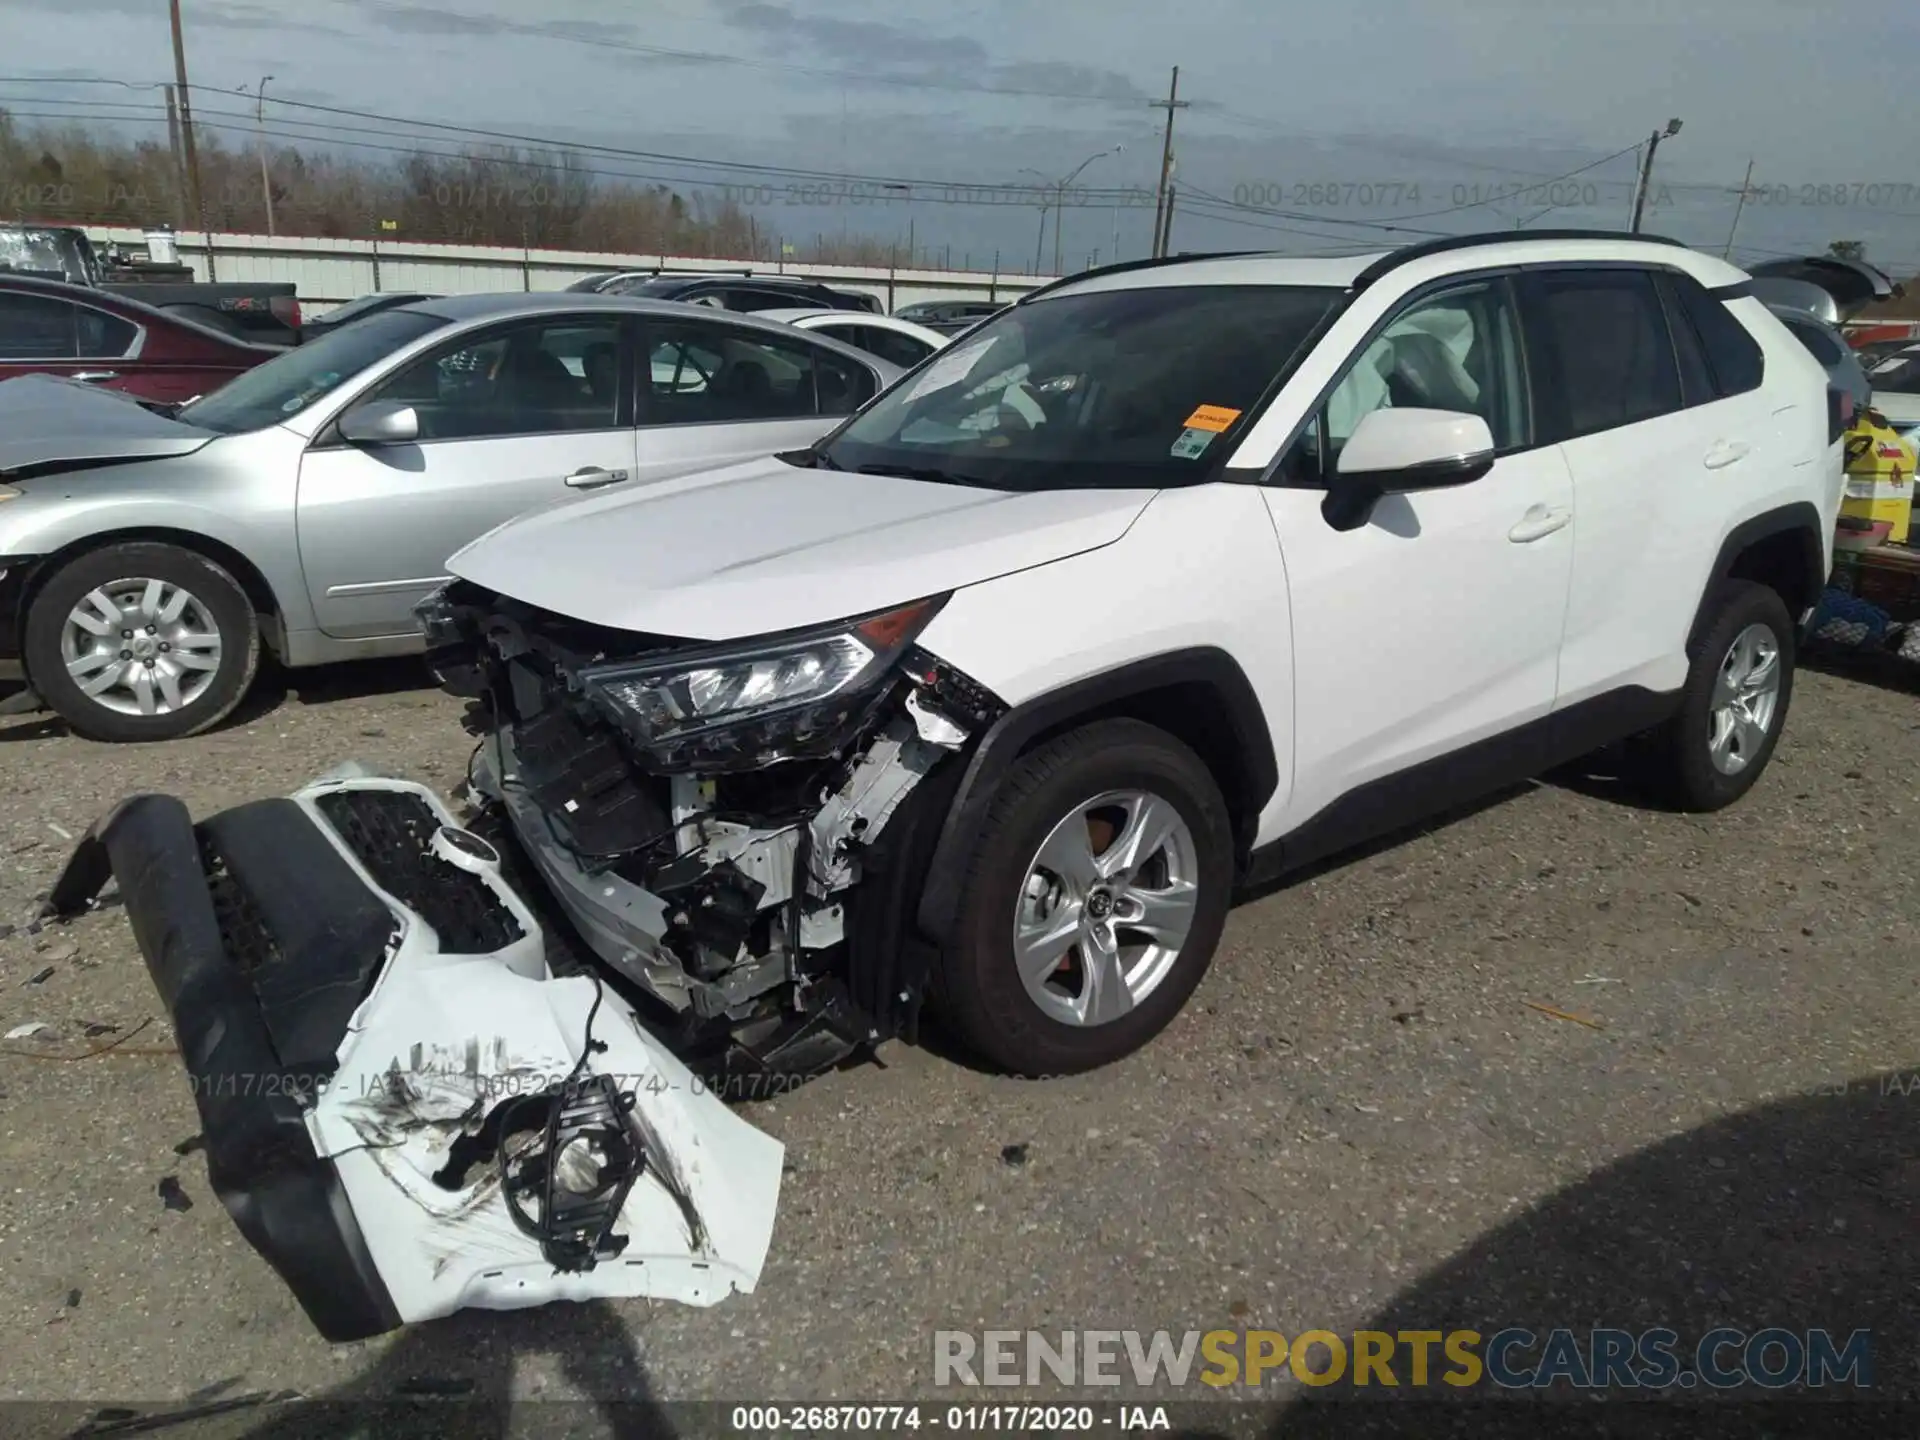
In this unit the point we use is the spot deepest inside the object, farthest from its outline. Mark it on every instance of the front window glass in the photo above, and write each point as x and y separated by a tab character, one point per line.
1130	387
289	383
1458	351
547	377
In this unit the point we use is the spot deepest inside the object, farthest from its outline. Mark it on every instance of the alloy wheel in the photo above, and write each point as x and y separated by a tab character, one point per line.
141	646
1106	907
1746	699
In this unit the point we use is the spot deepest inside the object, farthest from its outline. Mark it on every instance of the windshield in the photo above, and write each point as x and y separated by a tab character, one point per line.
1134	387
287	384
1898	374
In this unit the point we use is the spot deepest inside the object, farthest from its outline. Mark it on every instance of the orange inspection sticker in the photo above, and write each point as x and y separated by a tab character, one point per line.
1212	417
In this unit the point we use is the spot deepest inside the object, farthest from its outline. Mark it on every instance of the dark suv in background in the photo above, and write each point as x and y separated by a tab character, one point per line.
950	317
746	292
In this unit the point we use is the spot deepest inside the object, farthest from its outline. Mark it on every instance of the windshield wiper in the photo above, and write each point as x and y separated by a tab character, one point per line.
808	459
921	472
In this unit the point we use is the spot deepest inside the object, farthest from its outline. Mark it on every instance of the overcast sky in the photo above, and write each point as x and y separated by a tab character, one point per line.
1367	111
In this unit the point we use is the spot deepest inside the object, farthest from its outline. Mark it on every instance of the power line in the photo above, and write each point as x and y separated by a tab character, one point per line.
946	192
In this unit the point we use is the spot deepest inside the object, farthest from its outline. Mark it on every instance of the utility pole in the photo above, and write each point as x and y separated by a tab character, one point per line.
195	200
1166	226
1746	185
180	214
1172	103
1646	172
260	144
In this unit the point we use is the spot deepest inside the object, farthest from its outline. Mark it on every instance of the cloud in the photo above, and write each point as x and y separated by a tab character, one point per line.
901	53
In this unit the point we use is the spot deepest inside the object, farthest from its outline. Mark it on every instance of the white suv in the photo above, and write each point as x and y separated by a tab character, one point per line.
1171	578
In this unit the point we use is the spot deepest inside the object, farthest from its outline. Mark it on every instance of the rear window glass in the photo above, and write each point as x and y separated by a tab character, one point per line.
1732	353
1898	374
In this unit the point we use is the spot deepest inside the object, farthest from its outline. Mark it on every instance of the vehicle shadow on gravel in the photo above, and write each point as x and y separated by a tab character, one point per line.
1877	668
329	684
1801	1214
455	1378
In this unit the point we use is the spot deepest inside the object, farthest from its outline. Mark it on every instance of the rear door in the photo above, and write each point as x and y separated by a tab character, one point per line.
514	416
52	335
1661	426
712	393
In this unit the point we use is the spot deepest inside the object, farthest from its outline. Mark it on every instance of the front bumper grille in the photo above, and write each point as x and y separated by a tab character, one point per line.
390	832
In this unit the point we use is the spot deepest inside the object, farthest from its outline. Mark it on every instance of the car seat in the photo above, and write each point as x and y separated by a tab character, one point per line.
601	361
746	390
1426	374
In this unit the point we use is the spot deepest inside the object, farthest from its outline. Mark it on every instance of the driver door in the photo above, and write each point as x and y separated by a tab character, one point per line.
512	417
1438	622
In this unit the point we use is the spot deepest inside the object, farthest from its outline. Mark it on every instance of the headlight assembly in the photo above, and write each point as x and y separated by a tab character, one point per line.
743	706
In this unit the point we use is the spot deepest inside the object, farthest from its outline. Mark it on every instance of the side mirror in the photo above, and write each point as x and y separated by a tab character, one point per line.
380	422
1394	452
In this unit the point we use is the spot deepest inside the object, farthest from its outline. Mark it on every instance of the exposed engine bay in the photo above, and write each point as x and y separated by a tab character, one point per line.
721	824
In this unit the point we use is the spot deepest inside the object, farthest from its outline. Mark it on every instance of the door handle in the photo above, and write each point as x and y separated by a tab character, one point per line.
1538	523
96	375
1727	452
592	477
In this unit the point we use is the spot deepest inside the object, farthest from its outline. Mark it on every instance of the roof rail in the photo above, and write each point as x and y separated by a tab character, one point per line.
1443	244
1123	266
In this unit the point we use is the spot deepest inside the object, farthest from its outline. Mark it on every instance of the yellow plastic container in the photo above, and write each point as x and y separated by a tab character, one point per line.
1880	466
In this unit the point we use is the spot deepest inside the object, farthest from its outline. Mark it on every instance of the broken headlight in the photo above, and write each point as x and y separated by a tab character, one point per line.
785	697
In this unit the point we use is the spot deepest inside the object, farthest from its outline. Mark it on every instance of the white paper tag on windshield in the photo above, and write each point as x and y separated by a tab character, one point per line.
949	369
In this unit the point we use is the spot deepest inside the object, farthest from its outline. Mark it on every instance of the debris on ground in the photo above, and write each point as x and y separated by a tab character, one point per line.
42	977
189	1145
1563	1015
172	1196
21	1032
1013	1156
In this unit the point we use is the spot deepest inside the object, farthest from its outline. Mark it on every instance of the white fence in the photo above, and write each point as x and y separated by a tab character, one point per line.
331	272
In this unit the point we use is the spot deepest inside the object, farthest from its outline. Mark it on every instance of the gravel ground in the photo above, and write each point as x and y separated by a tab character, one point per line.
1359	1118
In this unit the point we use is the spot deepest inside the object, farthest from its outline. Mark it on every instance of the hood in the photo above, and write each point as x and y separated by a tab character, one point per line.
761	546
47	422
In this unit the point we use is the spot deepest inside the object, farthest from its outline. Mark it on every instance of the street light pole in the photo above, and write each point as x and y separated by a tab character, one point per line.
1646	172
1059	206
260	144
1046	199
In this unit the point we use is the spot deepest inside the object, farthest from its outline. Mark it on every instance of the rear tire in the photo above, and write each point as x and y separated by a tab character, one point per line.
1733	705
1048	861
141	642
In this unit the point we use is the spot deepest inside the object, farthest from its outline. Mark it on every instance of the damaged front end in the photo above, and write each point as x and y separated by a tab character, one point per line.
405	1110
739	830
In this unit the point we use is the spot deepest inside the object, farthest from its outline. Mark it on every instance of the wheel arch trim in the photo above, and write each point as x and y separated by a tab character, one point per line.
1800	516
996	751
246	573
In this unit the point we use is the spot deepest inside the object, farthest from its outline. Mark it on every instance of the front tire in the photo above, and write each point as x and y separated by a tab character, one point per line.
1733	706
1094	899
141	642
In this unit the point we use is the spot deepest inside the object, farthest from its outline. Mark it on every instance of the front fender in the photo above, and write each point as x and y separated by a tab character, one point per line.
59	516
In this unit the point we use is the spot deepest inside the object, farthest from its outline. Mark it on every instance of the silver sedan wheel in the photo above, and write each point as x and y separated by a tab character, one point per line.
141	646
1746	699
1105	909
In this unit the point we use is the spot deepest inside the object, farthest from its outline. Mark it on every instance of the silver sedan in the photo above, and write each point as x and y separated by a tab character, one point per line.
148	556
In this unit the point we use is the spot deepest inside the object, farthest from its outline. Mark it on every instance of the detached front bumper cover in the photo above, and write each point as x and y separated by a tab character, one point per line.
405	1111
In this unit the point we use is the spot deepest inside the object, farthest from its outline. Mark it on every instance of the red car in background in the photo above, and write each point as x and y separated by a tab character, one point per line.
119	344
